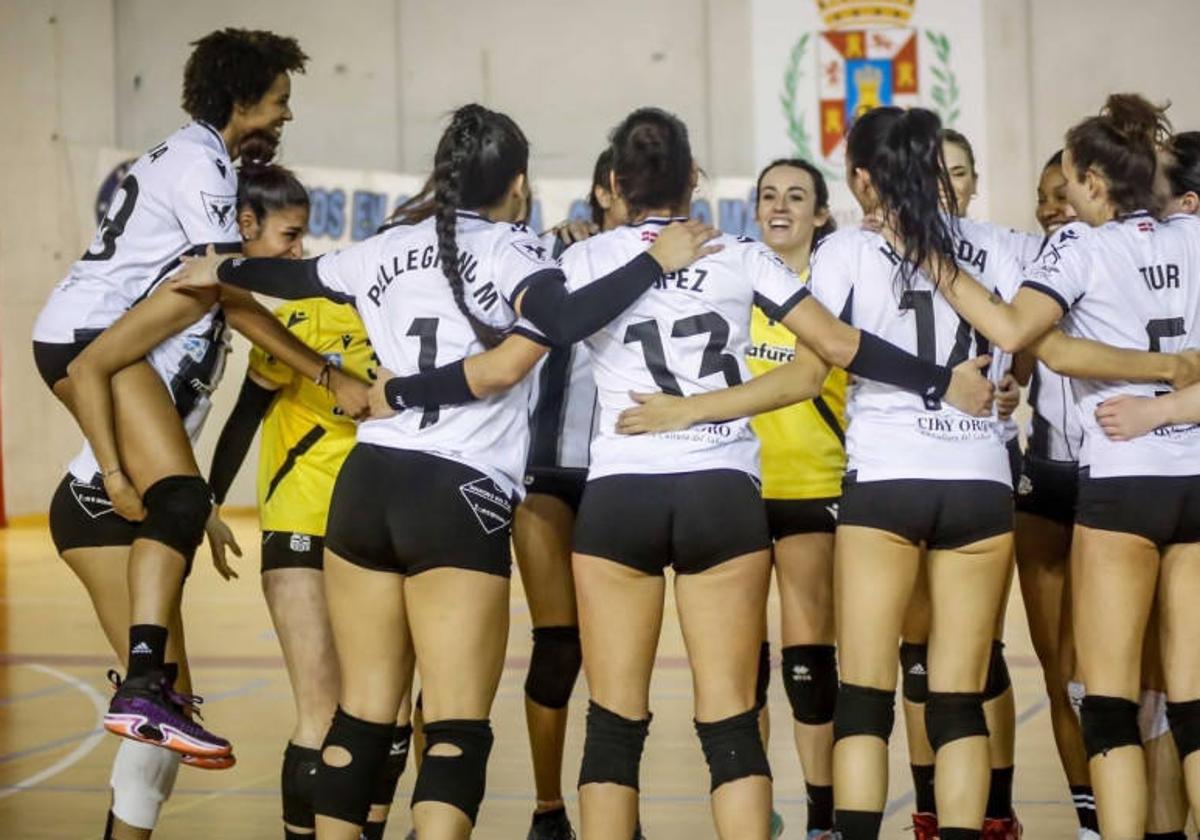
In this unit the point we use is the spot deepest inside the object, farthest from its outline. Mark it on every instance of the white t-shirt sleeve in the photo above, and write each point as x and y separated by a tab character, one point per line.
350	271
517	255
205	202
1060	271
831	277
777	289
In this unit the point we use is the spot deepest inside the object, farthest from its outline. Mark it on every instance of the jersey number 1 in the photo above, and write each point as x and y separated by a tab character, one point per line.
714	359
426	330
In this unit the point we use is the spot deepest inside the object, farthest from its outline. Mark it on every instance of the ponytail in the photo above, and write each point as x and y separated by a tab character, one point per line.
1121	145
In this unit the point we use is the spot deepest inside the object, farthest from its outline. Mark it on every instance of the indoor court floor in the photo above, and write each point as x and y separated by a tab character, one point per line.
54	758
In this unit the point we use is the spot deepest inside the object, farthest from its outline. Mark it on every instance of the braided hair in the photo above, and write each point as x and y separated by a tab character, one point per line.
479	155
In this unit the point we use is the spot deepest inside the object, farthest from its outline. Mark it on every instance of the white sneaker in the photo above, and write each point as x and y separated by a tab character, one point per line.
1088	834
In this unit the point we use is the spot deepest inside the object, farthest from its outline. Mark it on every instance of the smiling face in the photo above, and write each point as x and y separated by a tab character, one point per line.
962	174
280	234
269	113
1053	210
787	208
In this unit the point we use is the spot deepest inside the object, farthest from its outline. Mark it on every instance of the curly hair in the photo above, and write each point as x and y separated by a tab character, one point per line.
235	66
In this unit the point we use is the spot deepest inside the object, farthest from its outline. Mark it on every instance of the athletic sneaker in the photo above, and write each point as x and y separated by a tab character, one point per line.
149	710
217	762
925	826
776	825
1088	834
637	832
821	834
551	825
1009	829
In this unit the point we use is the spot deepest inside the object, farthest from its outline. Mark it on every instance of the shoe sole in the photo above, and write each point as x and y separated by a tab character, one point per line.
139	728
220	763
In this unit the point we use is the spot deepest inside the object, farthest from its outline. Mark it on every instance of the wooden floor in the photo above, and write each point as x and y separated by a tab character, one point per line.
54	760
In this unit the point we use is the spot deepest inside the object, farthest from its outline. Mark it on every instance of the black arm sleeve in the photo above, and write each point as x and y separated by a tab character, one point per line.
566	317
445	385
236	437
278	277
877	359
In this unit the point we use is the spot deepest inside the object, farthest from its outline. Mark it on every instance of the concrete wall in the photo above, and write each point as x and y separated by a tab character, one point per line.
77	75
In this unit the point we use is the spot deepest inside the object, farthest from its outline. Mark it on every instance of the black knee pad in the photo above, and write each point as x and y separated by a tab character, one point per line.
176	509
763	681
998	680
864	711
458	780
733	748
810	678
298	784
951	715
914	659
393	768
1108	723
1185	726
553	666
612	748
344	793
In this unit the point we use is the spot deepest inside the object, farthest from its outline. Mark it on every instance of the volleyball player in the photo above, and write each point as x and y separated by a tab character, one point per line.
803	457
1128	280
561	423
419	523
95	541
178	196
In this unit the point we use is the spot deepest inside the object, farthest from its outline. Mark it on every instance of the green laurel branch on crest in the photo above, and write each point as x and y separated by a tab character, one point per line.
801	142
945	92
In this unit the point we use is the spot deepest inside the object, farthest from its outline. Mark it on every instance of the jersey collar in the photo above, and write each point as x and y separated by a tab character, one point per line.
216	136
660	221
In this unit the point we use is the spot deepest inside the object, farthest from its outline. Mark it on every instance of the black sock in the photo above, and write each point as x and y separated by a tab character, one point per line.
553	815
372	830
923	788
1166	835
147	649
820	807
999	804
959	833
1085	807
108	826
858	825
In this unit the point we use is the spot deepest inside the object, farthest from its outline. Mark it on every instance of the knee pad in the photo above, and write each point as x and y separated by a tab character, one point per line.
763	681
733	748
143	777
810	678
393	768
553	666
914	659
998	680
298	784
1108	723
864	711
457	780
1185	726
176	509
344	792
612	748
950	716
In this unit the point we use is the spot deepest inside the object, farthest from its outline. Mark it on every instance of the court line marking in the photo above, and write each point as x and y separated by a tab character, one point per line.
88	744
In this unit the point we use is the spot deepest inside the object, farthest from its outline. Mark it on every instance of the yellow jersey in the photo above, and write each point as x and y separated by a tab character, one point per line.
803	445
305	437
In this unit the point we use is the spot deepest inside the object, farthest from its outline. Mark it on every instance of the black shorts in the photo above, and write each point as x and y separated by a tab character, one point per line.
1163	509
788	517
81	516
564	483
289	550
940	514
1049	489
692	521
52	359
402	511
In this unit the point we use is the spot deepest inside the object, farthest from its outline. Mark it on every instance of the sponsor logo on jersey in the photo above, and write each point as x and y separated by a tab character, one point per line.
221	168
300	543
296	318
195	347
346	339
833	510
492	509
771	352
532	249
93	500
219	209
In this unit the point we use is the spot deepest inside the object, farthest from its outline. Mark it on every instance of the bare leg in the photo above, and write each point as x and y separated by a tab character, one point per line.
1178	587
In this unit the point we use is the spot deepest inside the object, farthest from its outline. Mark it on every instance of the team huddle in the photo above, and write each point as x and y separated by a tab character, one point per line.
610	399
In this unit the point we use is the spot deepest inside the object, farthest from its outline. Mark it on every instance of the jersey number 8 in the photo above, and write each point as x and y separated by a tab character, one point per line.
113	226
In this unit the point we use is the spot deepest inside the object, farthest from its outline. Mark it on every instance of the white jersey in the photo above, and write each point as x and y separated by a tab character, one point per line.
404	299
1132	283
179	196
688	334
563	409
191	364
891	434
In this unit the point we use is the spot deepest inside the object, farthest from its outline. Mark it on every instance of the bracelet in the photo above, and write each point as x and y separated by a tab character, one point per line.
322	378
106	473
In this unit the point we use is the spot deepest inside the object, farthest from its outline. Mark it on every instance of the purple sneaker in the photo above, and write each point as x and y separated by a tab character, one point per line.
147	709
